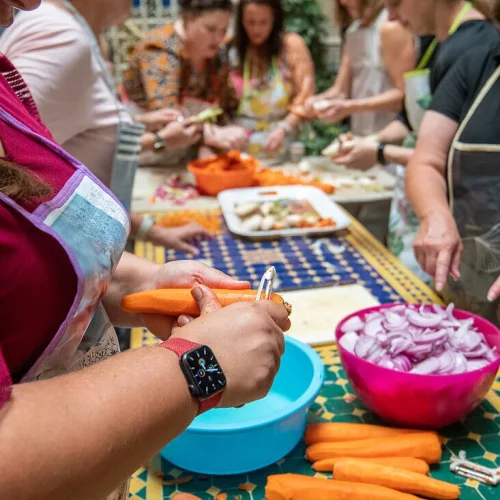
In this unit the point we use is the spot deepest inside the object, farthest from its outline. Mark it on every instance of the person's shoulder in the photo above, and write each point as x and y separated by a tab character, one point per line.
394	33
293	40
163	37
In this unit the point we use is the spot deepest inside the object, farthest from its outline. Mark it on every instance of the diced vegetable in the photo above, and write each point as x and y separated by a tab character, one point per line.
415	339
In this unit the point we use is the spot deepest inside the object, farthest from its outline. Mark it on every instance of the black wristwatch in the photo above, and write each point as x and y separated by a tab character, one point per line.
159	143
380	153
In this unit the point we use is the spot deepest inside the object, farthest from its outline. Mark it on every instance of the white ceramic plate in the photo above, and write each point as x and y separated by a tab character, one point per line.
322	204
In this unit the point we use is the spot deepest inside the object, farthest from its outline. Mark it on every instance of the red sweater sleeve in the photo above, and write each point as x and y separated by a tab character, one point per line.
37	288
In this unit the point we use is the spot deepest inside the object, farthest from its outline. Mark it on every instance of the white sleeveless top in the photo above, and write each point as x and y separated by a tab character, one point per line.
369	76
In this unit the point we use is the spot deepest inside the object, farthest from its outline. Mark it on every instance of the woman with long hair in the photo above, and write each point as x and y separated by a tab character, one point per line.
369	87
273	75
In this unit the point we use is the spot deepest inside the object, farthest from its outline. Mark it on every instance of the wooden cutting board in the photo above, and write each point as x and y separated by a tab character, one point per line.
317	312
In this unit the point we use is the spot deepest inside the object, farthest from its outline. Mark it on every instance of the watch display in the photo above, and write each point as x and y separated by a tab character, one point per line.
203	372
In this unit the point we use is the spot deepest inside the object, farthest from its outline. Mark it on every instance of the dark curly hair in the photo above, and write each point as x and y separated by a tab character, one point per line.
197	7
272	46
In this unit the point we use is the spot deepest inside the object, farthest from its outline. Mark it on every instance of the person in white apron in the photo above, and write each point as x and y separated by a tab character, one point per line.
369	85
273	75
460	236
115	416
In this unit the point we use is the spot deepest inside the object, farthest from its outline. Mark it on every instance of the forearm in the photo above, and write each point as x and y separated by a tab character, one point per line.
133	274
426	189
389	101
398	154
80	435
394	133
147	141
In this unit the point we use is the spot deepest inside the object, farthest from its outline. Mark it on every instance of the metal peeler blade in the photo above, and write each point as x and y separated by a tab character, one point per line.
463	467
266	284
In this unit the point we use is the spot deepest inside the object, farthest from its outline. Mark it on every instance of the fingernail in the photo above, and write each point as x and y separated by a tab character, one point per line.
491	296
183	320
197	293
439	286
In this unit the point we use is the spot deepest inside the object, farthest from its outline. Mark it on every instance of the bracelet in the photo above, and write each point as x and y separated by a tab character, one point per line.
147	223
159	142
380	153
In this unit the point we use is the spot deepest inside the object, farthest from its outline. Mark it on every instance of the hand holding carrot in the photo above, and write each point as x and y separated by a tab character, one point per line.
247	339
182	274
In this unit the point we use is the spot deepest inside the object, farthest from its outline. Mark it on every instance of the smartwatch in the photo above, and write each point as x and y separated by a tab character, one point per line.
200	367
159	143
380	153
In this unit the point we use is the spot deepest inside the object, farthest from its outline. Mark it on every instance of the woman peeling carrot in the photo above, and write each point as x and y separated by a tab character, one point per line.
63	277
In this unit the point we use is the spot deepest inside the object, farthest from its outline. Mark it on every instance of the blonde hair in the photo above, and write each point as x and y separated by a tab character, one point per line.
369	9
18	184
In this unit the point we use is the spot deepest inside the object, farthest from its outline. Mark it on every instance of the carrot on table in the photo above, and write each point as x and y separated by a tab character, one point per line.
424	445
408	463
360	471
297	486
332	432
177	301
184	496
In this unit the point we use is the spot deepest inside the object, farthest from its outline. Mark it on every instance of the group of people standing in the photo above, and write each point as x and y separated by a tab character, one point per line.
69	149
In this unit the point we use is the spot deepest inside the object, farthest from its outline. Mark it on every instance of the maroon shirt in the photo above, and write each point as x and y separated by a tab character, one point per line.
37	280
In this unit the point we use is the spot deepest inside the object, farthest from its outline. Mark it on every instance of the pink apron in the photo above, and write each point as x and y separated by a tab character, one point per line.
92	226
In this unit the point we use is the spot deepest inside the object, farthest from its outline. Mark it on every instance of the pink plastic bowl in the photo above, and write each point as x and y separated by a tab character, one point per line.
420	401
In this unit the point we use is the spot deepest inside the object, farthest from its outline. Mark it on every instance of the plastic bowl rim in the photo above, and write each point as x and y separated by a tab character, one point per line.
308	397
344	352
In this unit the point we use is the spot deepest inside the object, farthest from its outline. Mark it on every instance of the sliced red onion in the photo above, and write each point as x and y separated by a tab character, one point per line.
353	324
421	340
426	367
423	321
364	346
373	327
348	341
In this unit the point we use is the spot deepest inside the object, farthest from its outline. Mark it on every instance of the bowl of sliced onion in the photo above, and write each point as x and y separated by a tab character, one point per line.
419	366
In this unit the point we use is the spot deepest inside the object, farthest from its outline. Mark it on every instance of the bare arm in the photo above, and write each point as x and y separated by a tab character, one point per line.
394	133
438	246
342	85
398	55
78	436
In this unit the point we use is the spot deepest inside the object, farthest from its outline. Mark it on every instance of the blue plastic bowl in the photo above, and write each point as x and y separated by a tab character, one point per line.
236	441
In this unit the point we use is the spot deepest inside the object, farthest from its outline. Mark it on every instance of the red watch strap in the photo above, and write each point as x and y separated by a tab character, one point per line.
181	346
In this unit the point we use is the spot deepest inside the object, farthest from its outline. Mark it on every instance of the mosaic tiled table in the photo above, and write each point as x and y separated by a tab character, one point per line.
370	264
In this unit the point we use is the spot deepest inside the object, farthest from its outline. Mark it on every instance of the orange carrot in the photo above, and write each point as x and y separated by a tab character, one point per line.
407	463
333	432
350	491
424	445
184	496
359	471
177	301
292	486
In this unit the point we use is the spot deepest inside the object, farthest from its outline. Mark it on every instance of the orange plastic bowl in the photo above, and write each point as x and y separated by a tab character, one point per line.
211	182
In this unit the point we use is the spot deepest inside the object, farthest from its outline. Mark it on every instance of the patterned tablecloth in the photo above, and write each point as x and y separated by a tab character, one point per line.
368	263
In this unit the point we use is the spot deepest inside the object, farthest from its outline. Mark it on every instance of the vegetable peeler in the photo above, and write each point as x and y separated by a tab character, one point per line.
463	467
266	284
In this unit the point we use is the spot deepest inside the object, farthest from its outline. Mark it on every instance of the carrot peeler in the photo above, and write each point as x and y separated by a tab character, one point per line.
463	467
266	284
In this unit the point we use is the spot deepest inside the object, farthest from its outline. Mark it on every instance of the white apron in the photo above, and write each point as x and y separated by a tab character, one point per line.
369	76
403	222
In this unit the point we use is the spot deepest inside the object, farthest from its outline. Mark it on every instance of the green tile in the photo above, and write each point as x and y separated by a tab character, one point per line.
199	483
456	430
489	492
297	466
236	493
349	418
485	462
330	375
482	426
491	443
298	452
472	448
142	493
338	406
143	475
488	407
225	482
444	473
333	391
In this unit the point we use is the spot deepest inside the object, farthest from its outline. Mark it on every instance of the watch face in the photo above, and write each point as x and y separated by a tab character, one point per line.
204	372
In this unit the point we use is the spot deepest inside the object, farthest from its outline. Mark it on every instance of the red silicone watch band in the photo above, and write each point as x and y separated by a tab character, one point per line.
181	346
